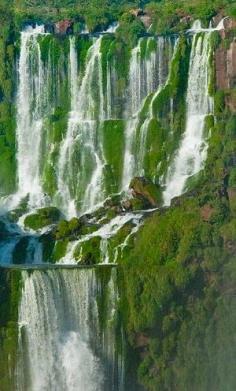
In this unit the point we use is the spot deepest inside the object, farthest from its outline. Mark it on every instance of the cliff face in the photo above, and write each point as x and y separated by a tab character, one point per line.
226	66
225	63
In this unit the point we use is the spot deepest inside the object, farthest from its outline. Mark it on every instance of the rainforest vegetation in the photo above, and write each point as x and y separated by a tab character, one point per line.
97	14
176	276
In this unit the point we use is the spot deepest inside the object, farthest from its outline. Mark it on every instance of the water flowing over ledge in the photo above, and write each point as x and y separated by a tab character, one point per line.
65	341
81	138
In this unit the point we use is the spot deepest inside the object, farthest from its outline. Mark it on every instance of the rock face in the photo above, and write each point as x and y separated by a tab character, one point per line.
146	20
225	61
143	16
230	101
145	190
225	57
64	27
137	12
206	212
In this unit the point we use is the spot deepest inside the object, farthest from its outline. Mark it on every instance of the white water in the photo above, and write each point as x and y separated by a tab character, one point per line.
197	26
145	77
105	233
86	110
30	102
192	151
62	347
162	81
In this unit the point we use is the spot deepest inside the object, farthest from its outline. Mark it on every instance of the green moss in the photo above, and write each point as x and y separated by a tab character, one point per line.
47	241
113	149
10	293
7	110
146	190
59	250
43	218
219	100
120	51
88	252
155	146
66	229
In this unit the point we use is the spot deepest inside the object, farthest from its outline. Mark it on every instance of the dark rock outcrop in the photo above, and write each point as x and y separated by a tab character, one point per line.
144	189
64	27
225	62
42	218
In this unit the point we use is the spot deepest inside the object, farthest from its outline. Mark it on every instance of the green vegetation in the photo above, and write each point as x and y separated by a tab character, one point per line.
43	218
179	278
176	15
88	251
7	108
113	142
10	290
166	15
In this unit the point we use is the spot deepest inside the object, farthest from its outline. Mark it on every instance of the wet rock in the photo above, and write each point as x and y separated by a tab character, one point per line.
47	242
64	27
186	20
145	190
67	229
230	100
19	255
49	28
42	218
137	12
225	63
76	227
229	23
141	340
207	211
141	343
146	20
216	19
180	200
89	229
127	205
3	230
88	252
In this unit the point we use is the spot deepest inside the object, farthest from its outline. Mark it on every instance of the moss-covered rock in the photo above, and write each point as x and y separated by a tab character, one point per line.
88	252
43	217
66	229
146	190
59	250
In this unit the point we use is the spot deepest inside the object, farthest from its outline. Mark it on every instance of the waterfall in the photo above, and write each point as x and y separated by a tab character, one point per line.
63	344
30	103
147	74
192	151
163	73
87	110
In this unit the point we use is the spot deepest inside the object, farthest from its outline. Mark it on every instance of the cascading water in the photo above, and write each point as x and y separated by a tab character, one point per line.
62	343
147	74
32	95
192	151
163	73
86	112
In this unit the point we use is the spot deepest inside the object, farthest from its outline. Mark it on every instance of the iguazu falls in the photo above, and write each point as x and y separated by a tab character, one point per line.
117	195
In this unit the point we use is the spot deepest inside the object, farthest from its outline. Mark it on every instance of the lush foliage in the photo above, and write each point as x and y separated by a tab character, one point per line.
166	14
179	277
